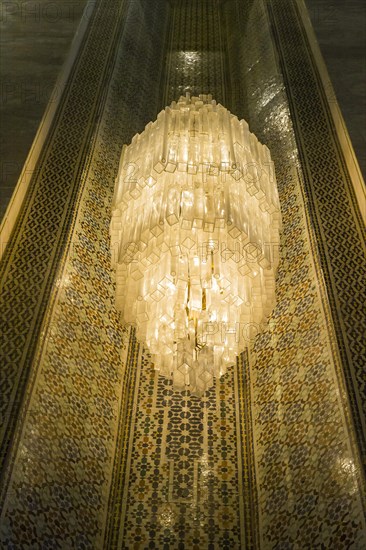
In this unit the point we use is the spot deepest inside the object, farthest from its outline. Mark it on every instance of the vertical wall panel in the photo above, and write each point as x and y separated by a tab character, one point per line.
107	455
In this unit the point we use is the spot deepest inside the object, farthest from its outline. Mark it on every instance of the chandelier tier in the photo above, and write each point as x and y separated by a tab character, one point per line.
194	233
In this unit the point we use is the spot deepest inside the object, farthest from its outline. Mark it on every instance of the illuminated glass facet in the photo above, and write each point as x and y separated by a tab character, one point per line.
194	236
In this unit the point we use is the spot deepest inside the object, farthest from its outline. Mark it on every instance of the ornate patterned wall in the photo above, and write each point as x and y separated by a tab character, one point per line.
31	260
302	422
195	57
184	478
105	455
183	484
332	205
56	486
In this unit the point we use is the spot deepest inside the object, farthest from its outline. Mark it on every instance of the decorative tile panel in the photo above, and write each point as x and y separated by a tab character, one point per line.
59	479
59	482
333	208
307	466
195	59
31	260
183	488
107	455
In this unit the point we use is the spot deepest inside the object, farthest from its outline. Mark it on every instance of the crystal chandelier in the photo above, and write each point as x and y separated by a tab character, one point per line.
194	231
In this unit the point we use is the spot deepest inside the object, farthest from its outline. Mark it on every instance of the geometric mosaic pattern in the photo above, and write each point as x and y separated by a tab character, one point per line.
183	480
183	475
108	456
308	478
306	464
57	483
195	54
307	467
31	260
333	208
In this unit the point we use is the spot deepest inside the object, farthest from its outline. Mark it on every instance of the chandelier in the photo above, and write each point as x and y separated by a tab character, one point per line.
194	232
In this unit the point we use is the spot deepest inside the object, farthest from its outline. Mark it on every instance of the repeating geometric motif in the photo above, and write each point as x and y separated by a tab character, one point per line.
247	478
333	208
308	473
308	477
183	488
101	447
195	56
31	260
60	480
59	484
120	473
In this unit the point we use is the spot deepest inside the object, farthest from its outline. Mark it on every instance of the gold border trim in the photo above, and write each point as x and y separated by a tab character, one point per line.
350	158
